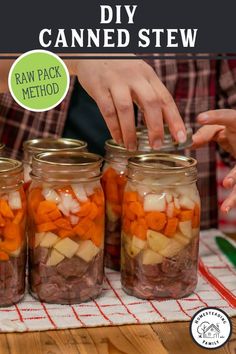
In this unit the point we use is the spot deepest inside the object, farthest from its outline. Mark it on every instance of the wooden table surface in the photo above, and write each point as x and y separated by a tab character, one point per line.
161	338
171	338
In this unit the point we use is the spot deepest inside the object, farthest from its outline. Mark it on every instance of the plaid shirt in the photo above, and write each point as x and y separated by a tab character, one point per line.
196	85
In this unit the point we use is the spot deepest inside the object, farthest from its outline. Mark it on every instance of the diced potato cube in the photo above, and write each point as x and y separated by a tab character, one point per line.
186	228
67	247
172	249
157	241
137	242
181	238
151	257
49	240
154	202
38	238
136	246
87	250
54	258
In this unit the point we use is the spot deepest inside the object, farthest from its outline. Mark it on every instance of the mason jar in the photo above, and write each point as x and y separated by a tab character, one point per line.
36	146
12	232
114	180
160	227
66	227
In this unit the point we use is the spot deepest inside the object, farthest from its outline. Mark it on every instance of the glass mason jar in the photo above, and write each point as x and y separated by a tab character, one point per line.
36	146
114	180
160	227
66	227
12	232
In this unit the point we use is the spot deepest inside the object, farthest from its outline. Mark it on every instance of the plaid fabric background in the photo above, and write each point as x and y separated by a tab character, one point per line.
197	86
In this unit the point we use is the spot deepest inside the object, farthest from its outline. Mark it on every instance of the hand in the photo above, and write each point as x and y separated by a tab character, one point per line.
230	182
219	126
116	84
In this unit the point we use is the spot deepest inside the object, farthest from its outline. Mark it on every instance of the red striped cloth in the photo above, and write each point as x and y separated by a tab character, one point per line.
216	288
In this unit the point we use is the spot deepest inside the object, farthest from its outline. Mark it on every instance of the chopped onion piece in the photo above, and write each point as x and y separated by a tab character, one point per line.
14	200
79	192
50	194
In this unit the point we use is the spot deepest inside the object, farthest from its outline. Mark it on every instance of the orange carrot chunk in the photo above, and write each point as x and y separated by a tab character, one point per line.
19	217
130	197
55	214
186	215
3	256
12	231
136	208
46	206
2	221
5	210
47	226
63	223
171	227
155	220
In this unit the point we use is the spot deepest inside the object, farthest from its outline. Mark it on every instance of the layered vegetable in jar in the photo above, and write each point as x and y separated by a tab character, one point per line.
160	227
36	146
66	227
12	232
114	181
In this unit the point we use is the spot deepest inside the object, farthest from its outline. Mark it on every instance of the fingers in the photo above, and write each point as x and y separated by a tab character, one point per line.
230	202
169	109
146	98
205	134
125	112
108	111
225	117
230	180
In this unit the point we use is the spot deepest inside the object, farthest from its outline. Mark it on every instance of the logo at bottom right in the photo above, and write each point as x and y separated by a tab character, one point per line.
210	328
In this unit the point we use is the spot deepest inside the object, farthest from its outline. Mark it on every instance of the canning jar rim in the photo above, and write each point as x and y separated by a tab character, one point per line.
97	158
136	161
14	171
29	145
16	165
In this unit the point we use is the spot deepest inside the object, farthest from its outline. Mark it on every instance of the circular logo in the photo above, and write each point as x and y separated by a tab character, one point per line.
38	80
210	328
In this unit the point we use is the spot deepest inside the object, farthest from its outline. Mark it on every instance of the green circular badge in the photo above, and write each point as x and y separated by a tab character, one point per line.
38	80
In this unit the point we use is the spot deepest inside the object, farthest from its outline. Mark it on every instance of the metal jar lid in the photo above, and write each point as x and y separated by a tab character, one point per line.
64	165
35	146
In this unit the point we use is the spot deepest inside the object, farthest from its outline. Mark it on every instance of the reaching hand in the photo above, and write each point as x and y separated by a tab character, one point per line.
116	84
